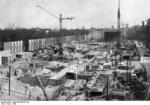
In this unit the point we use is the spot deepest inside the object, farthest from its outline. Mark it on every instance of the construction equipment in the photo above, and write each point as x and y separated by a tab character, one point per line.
60	18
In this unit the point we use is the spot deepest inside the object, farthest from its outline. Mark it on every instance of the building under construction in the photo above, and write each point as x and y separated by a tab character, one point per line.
73	65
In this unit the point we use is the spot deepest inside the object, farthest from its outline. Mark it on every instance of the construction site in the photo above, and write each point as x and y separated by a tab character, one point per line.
76	65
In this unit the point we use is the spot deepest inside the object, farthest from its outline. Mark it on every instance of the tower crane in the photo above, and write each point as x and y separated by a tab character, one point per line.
60	18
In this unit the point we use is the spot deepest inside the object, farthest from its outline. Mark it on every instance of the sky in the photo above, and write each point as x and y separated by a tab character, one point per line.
87	13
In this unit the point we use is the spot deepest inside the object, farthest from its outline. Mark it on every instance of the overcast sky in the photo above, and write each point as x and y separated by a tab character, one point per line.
87	13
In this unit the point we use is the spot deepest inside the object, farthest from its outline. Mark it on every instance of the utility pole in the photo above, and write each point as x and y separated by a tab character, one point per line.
107	89
60	28
60	22
127	72
9	79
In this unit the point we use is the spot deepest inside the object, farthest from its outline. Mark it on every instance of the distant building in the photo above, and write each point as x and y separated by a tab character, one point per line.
112	35
95	34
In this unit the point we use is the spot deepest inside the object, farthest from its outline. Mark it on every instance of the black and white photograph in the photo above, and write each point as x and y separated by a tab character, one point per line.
74	50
